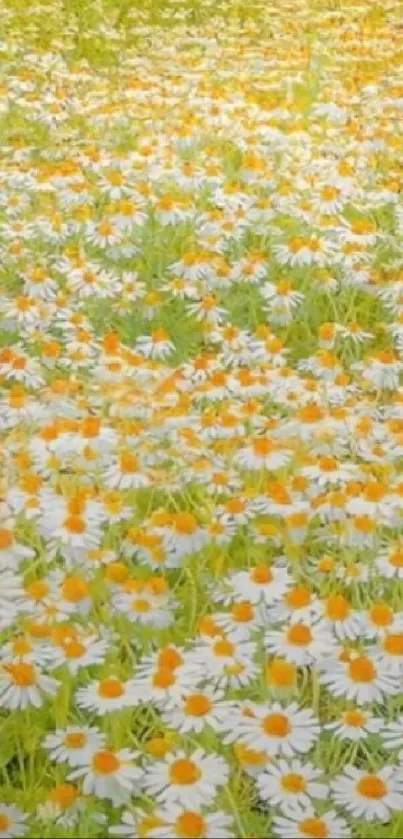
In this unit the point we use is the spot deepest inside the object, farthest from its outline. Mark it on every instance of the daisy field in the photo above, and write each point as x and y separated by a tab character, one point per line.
201	419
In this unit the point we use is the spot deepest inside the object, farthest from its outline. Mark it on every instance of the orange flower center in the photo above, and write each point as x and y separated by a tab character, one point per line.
261	575
105	763
197	705
276	725
242	612
299	635
224	648
396	559
128	463
190	825
163	678
75	524
169	658
184	772
370	786
64	795
235	505
281	673
393	644
38	589
328	464
364	524
185	524
311	413
263	446
381	614
23	675
6	538
21	646
362	669
296	244
297	598
337	608
354	718
293	783
375	492
90	427
314	828
75	589
110	689
74	649
75	740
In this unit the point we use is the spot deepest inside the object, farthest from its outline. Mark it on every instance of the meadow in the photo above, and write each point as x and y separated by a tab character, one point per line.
201	419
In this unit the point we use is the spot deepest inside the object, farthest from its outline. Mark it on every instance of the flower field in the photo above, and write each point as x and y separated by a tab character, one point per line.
201	419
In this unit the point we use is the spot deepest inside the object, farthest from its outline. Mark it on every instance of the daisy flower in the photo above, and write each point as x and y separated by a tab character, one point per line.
301	643
263	453
225	662
369	796
77	651
243	619
389	652
207	311
157	345
12	821
380	619
389	562
279	730
109	774
264	583
354	725
179	822
355	333
196	710
23	685
282	301
157	682
137	823
392	734
359	678
125	470
362	232
64	806
12	553
74	745
187	781
339	616
301	251
183	534
383	370
305	823
106	696
292	783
